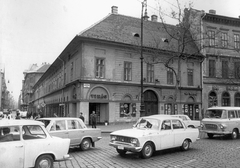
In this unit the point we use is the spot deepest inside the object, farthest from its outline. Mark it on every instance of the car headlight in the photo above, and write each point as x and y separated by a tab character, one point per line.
222	126
134	141
113	137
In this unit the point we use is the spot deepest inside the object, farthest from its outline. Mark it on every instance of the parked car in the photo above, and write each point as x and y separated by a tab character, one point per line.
74	129
188	121
26	143
221	121
153	133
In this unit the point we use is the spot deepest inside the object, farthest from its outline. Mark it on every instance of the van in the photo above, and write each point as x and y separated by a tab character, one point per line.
221	121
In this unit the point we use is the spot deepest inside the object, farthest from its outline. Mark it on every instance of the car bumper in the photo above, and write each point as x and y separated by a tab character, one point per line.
125	147
65	157
216	132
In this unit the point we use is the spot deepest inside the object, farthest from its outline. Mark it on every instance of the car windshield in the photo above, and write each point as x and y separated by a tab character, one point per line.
147	123
216	113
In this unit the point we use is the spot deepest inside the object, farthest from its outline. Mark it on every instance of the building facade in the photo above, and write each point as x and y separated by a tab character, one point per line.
100	70
220	43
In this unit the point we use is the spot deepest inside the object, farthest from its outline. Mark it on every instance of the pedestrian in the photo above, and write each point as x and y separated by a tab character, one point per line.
81	116
93	119
18	116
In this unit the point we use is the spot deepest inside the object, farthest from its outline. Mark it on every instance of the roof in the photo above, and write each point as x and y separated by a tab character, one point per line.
58	118
43	68
121	29
6	122
161	116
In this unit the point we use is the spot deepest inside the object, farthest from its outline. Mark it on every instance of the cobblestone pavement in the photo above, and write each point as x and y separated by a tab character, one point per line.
220	152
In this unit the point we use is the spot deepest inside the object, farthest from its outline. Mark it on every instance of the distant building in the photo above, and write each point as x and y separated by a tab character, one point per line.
99	70
220	43
31	76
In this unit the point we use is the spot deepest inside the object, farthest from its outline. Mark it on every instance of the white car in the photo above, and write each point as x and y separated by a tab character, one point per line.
74	129
26	143
188	121
153	133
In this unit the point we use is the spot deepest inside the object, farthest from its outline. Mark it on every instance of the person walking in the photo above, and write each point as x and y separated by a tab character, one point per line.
94	119
81	116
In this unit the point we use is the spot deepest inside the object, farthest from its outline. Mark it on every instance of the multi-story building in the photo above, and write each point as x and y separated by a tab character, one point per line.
31	76
100	70
220	43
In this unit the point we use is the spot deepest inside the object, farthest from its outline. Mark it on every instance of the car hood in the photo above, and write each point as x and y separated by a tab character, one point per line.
134	132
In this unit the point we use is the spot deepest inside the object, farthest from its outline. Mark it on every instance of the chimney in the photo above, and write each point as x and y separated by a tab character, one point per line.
154	18
114	10
211	11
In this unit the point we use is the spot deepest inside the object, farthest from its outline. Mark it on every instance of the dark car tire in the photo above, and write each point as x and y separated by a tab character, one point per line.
234	134
44	161
185	145
210	136
147	150
86	144
121	152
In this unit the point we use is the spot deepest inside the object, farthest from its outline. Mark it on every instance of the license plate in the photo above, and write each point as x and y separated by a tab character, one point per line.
120	147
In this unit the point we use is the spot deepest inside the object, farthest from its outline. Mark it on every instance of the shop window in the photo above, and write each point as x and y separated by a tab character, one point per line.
237	70
128	109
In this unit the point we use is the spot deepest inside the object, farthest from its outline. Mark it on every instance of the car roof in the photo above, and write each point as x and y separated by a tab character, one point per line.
224	108
162	116
58	118
6	122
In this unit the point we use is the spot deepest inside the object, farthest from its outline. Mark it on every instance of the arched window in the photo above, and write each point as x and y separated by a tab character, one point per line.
225	99
237	100
212	99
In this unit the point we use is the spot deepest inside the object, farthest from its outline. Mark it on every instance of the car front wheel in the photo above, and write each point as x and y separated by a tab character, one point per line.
86	144
147	150
234	134
44	161
185	145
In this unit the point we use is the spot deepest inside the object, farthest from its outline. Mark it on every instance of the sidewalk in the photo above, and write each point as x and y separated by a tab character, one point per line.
115	126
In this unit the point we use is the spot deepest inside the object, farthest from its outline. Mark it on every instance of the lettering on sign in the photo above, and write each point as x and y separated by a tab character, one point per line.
86	85
98	96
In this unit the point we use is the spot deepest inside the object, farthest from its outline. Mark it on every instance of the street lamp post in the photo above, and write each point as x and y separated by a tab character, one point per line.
142	109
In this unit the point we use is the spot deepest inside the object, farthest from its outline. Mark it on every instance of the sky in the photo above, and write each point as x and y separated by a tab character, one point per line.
37	31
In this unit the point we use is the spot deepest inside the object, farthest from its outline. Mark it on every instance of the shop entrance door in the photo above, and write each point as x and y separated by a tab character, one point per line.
94	107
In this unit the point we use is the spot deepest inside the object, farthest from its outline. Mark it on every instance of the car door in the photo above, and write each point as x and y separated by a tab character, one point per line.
75	131
178	132
12	152
58	128
166	135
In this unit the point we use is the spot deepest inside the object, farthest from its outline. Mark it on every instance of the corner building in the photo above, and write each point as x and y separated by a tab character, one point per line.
99	70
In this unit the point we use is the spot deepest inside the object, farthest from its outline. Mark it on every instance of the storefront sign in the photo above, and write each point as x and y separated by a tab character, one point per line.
86	85
98	96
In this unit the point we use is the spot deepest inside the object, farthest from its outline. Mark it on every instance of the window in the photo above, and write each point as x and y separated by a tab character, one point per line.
224	69
190	77
224	39
59	125
71	71
100	68
177	124
73	124
169	77
212	98
11	133
225	99
127	71
212	68
237	100
33	132
237	70
236	41
211	35
150	73
166	125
